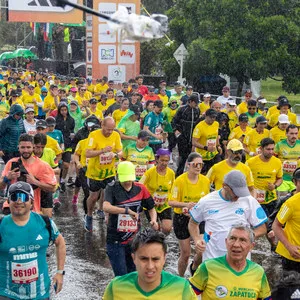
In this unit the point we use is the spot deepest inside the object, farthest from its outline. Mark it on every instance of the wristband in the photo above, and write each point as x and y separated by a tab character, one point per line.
205	148
6	180
251	153
126	210
62	272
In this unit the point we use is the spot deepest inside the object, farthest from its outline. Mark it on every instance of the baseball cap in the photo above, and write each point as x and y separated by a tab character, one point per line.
73	89
143	134
225	89
93	100
50	121
283	119
135	109
235	145
74	102
31	86
263	100
236	180
41	124
206	95
283	102
29	109
162	151
231	102
21	187
211	113
119	94
189	88
14	93
134	86
194	98
44	89
103	96
243	118
126	171
261	119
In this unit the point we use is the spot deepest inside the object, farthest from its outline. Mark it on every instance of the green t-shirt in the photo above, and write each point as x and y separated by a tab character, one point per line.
49	157
171	287
129	128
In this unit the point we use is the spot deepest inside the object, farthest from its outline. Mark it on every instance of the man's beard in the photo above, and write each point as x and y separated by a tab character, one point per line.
26	155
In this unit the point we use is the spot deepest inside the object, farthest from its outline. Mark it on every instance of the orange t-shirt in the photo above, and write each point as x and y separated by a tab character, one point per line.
41	171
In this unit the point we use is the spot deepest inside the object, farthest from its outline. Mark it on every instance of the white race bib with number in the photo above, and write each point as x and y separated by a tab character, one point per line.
105	158
160	199
289	166
260	195
24	272
211	143
126	223
140	170
158	130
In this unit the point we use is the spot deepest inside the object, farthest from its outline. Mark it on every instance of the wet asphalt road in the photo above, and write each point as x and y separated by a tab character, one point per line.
87	267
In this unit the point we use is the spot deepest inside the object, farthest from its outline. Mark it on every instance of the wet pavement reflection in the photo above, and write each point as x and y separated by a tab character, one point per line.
87	267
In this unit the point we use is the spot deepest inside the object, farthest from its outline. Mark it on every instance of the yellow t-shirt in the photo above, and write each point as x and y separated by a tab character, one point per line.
185	191
102	166
102	107
37	90
80	99
272	110
203	107
242	108
264	173
110	101
237	132
159	187
207	135
164	99
99	88
53	144
91	88
253	138
80	151
233	119
277	134
49	102
28	101
289	214
118	115
98	113
218	171
274	118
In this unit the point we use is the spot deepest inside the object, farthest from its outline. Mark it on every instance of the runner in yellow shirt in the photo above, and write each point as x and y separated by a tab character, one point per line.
51	100
103	145
231	113
242	130
93	109
242	107
187	190
253	138
32	100
118	114
233	161
103	105
278	132
101	87
159	181
205	104
206	140
267	174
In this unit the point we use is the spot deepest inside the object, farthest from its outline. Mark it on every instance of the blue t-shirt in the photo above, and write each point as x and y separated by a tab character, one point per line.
23	265
57	135
154	122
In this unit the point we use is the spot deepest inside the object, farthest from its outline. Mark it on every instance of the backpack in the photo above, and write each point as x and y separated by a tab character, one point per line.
47	224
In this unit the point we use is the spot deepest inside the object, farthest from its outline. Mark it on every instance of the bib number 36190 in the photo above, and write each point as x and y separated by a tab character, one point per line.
126	223
24	272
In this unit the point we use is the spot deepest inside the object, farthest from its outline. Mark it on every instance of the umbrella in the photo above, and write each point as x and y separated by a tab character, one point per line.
24	53
6	55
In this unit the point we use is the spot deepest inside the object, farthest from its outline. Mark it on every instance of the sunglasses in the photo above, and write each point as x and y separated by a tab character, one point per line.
196	165
83	90
19	114
252	108
237	152
19	196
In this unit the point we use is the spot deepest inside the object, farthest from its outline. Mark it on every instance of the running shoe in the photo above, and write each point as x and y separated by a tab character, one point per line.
70	182
56	204
100	214
191	268
88	223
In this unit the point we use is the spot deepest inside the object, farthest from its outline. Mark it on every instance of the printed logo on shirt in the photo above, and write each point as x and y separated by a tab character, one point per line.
296	295
39	237
239	211
221	291
213	211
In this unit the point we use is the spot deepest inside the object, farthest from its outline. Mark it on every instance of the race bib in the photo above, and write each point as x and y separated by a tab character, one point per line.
24	272
289	166
160	199
158	130
260	195
105	158
211	143
140	170
126	223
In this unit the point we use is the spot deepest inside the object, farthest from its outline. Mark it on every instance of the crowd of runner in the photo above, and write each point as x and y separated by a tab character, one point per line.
237	167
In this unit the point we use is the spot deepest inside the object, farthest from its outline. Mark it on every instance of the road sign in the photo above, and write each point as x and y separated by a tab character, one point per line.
180	54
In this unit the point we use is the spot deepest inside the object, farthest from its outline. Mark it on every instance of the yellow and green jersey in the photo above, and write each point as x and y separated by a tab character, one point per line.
4	109
289	214
215	279
159	186
264	173
277	134
171	287
207	135
49	157
289	156
185	191
218	171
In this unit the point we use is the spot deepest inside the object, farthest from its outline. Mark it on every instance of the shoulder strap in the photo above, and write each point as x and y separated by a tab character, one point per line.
48	226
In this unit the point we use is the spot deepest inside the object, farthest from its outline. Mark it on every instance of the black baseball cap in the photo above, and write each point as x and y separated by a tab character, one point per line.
41	124
50	121
243	118
143	134
211	113
261	119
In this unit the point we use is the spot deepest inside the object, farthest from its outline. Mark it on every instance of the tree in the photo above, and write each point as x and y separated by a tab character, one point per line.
244	39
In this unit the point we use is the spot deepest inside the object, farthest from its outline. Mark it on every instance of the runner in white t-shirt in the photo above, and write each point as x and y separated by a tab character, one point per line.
220	210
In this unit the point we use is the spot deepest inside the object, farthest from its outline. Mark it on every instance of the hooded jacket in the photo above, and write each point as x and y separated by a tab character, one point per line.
65	126
11	129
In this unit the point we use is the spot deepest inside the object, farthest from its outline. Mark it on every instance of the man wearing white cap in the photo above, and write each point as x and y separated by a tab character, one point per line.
220	210
277	133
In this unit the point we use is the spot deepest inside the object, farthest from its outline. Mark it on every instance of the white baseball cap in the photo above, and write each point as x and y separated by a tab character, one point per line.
283	119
